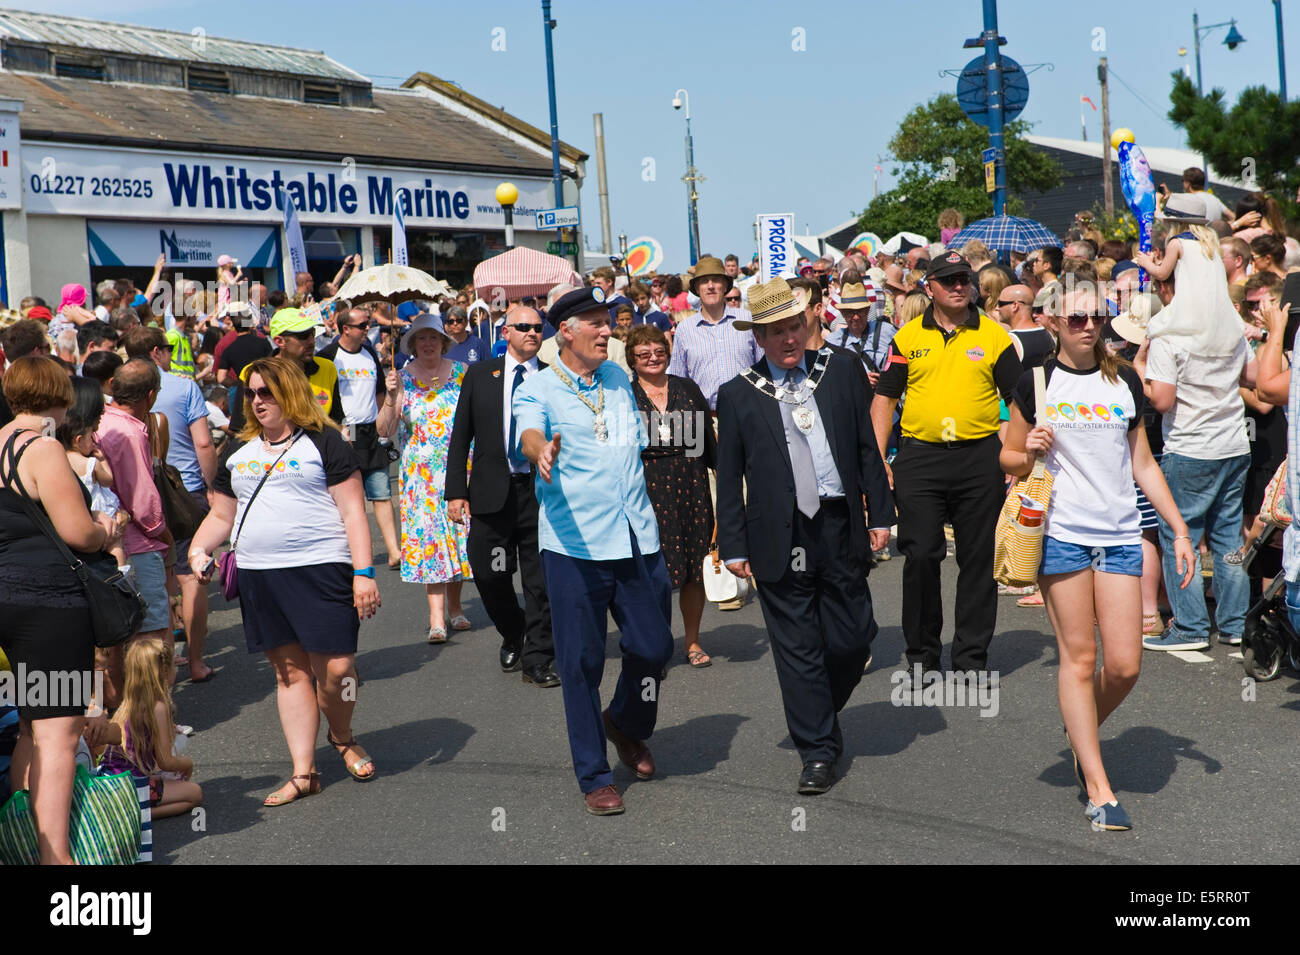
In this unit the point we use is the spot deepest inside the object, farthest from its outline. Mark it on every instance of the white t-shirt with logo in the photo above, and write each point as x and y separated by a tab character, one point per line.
1094	502
358	379
1208	419
294	521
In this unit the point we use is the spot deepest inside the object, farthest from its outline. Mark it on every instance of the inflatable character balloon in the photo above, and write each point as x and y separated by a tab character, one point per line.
1139	190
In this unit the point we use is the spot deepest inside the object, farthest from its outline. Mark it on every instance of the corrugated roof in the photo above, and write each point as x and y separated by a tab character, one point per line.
48	29
403	128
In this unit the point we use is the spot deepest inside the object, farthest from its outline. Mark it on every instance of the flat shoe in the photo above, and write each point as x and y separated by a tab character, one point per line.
461	622
1033	600
698	659
356	764
312	788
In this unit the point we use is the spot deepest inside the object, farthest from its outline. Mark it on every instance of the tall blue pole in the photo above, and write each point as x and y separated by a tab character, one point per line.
692	216
1281	53
993	76
549	25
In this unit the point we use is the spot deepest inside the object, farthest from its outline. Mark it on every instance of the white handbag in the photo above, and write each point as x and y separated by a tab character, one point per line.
720	584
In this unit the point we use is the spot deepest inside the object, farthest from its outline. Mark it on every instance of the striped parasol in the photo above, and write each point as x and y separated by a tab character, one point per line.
522	272
1006	234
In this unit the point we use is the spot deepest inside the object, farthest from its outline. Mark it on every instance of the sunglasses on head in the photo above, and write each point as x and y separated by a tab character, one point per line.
262	394
1079	322
527	327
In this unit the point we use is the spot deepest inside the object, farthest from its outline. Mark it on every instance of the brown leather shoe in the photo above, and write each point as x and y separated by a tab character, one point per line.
604	802
632	753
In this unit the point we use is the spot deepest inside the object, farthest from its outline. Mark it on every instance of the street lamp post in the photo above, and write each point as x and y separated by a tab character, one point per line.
508	195
1231	41
1281	54
682	99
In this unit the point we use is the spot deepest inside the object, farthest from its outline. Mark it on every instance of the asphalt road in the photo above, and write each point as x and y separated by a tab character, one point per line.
474	765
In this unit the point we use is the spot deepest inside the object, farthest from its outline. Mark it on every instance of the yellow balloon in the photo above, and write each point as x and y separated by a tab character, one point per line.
1121	135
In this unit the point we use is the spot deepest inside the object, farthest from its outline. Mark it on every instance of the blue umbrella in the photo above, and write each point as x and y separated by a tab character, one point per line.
1006	234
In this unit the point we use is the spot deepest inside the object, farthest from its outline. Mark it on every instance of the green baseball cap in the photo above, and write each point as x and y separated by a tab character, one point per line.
290	320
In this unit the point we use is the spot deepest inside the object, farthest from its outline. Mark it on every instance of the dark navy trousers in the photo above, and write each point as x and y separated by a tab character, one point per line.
637	591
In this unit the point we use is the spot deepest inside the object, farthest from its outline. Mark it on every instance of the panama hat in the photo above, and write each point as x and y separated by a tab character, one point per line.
770	302
855	296
1184	208
1131	324
710	267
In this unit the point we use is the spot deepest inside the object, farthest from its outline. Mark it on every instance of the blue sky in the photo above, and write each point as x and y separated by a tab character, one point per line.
777	129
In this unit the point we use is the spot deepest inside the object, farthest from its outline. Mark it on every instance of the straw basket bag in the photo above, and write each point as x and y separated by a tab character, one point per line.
1017	549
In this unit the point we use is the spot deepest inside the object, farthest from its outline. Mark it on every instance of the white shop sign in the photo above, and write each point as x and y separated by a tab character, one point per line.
11	185
131	183
185	244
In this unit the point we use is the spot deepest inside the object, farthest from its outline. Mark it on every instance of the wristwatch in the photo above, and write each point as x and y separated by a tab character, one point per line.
364	572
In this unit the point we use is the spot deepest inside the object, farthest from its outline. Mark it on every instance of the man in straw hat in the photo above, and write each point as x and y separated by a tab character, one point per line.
795	427
577	422
709	347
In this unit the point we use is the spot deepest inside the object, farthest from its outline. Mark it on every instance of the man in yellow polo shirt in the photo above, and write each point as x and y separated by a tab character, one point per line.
953	362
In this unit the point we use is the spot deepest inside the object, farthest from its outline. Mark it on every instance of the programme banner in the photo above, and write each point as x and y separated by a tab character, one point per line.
775	244
143	184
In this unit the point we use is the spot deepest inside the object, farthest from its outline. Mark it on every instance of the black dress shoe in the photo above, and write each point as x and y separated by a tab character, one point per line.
816	777
542	675
510	657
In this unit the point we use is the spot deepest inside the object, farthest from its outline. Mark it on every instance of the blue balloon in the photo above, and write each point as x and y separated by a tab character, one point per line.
1139	191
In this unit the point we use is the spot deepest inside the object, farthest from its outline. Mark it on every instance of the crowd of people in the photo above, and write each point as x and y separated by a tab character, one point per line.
611	443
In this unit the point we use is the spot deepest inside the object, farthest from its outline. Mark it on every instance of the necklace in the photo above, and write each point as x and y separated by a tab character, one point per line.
665	428
433	378
803	415
598	426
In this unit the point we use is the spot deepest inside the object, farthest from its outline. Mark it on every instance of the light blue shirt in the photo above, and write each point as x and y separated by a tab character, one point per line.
597	488
828	478
182	402
711	355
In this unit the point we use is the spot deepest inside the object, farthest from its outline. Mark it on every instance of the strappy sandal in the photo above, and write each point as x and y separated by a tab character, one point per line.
312	788
698	659
354	766
461	622
437	634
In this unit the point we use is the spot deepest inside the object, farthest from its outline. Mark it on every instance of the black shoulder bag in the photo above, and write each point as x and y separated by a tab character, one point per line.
116	607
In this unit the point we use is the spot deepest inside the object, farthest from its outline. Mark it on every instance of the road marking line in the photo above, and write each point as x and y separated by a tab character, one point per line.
1191	656
1235	655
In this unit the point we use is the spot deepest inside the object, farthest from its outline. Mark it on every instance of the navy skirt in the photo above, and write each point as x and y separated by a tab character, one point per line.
310	606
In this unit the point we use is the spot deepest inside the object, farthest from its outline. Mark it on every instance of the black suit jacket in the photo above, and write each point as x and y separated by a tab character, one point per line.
751	445
478	421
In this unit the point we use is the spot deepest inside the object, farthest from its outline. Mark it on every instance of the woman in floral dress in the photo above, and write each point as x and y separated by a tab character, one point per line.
420	407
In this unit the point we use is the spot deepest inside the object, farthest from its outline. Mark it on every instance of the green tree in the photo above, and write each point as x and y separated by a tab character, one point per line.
1256	140
938	150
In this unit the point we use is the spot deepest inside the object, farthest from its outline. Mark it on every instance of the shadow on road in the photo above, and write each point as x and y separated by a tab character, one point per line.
1142	759
699	745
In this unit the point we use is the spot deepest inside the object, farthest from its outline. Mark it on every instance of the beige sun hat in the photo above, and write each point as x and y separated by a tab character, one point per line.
1131	325
769	303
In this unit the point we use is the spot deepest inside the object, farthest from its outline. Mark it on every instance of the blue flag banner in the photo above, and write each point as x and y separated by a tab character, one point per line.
295	248
399	230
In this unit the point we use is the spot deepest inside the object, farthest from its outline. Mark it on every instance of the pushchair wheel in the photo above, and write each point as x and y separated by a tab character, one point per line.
1262	668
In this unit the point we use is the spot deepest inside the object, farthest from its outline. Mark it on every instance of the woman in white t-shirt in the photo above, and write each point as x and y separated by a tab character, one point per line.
1092	436
305	574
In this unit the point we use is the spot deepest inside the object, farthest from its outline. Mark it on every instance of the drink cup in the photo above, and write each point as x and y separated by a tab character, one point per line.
1031	512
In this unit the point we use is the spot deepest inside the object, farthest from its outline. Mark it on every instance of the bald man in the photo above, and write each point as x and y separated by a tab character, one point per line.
1015	311
498	502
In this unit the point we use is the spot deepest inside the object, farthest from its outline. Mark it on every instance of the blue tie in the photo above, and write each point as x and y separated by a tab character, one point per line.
511	453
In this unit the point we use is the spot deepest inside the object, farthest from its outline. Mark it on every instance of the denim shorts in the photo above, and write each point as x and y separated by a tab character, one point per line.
1062	558
377	485
151	578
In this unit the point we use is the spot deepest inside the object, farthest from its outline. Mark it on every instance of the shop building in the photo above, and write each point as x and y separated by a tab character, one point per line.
119	143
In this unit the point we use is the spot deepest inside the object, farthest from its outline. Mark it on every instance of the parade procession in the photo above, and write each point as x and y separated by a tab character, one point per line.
389	476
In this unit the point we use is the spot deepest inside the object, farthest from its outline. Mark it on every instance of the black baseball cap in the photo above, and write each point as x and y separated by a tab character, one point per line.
950	263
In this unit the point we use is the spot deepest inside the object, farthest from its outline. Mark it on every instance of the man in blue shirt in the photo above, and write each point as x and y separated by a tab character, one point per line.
577	421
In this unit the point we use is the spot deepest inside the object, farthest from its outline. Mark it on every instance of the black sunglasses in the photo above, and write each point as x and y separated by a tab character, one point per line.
527	327
303	336
1007	302
1078	323
953	281
1254	306
358	325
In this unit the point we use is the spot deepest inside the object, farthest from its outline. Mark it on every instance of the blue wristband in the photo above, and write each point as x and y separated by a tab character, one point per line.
364	572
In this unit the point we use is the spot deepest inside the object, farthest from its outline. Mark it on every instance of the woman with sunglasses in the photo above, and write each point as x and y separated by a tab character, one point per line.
305	574
1090	432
